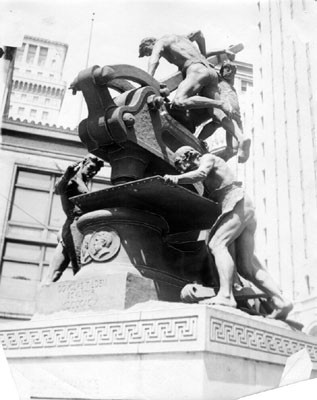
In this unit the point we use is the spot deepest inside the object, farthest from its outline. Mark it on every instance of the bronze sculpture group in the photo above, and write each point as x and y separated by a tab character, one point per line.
231	237
200	88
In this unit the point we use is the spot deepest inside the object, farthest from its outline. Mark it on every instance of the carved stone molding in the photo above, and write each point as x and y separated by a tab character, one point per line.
112	333
239	335
185	331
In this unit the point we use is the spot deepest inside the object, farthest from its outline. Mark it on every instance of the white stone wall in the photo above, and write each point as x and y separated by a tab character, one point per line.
285	141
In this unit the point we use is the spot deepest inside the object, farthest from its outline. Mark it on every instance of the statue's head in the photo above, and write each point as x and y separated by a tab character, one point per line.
186	158
228	70
102	241
146	46
91	165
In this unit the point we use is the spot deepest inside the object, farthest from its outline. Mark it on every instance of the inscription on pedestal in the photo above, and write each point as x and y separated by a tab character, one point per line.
80	295
115	291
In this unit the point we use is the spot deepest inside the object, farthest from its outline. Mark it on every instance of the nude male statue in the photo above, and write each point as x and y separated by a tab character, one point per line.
199	88
228	93
73	182
236	224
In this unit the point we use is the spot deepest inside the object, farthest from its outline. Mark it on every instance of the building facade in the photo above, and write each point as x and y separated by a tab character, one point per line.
38	89
32	157
284	176
280	115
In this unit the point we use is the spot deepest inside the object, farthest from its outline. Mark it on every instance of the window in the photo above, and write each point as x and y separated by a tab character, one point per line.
21	111
47	101
51	75
31	54
35	98
34	220
20	52
23	96
40	73
28	71
32	113
244	86
44	115
42	56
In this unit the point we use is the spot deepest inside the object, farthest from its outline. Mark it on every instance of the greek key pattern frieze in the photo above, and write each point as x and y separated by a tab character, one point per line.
112	333
238	335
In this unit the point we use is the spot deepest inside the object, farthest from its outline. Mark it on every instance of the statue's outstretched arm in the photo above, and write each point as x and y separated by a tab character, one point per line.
230	54
198	37
155	57
62	183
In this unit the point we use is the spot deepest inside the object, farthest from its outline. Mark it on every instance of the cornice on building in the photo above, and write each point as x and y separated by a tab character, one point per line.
35	86
35	79
32	127
244	70
28	37
247	67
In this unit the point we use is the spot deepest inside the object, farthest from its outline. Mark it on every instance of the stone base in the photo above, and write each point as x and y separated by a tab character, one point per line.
154	350
116	291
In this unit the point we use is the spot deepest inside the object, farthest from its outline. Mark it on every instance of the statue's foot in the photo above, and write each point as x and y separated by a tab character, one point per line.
220	301
282	309
244	150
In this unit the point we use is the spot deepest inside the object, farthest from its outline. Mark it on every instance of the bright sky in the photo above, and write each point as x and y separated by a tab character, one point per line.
119	26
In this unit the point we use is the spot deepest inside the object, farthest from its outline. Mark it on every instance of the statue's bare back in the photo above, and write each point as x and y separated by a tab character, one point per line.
178	50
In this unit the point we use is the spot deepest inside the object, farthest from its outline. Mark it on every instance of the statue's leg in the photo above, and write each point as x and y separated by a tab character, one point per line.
58	264
251	269
208	130
228	229
235	139
232	128
75	240
232	143
229	96
199	79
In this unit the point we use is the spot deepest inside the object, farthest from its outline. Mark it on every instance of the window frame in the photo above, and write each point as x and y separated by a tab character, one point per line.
20	52
28	53
33	111
45	241
44	115
21	111
41	61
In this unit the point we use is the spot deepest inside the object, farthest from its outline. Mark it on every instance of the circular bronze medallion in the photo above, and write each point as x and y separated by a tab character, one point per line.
103	245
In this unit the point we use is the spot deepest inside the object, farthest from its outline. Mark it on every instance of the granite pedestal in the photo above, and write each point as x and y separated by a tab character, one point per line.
154	350
109	333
